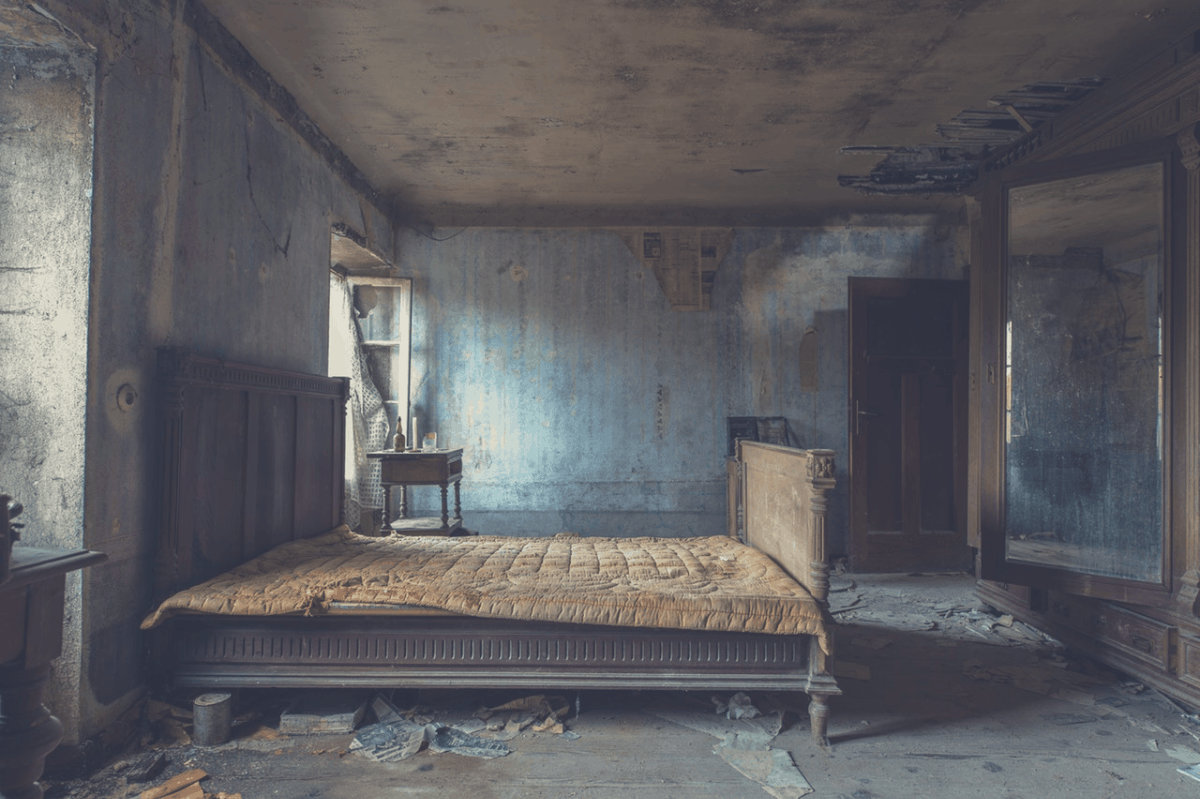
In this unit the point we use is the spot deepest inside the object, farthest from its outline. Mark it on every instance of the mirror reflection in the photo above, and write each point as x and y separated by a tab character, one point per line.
1083	378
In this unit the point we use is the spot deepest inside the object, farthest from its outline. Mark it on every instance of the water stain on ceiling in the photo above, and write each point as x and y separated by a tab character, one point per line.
609	112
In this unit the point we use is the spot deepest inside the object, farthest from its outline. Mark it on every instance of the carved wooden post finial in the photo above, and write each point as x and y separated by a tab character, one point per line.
821	469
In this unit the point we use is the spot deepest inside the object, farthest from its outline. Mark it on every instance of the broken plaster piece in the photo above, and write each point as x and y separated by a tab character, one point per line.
1184	754
470	725
389	741
384	710
393	741
448	739
773	769
326	712
758	731
739	706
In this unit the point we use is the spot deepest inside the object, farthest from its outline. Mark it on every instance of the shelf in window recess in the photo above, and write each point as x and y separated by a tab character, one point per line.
381	343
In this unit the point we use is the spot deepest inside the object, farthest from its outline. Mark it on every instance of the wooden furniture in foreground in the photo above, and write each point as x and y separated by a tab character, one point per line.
1084	462
31	627
786	520
439	467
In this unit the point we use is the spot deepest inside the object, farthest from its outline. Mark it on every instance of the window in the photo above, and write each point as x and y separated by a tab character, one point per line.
370	319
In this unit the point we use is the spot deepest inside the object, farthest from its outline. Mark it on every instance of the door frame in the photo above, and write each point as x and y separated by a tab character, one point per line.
858	539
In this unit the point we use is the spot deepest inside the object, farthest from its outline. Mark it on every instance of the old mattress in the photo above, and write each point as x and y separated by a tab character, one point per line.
712	583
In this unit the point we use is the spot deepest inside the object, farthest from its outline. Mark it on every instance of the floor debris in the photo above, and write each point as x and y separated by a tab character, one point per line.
738	707
389	741
745	743
398	735
756	732
973	701
144	768
773	769
181	786
1183	754
538	713
454	741
170	725
326	712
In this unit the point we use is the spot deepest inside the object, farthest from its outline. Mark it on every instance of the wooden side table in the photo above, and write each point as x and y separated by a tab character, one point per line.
31	626
439	467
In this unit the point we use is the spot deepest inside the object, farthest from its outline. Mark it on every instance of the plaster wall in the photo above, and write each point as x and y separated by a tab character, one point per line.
584	403
210	230
45	216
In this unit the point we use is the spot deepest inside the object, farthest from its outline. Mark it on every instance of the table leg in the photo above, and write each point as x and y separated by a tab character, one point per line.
445	509
457	503
387	506
27	731
403	502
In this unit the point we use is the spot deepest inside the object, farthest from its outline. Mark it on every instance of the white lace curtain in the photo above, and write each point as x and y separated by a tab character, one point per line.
366	417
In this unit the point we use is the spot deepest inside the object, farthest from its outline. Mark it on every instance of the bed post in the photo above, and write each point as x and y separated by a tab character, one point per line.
820	482
821	683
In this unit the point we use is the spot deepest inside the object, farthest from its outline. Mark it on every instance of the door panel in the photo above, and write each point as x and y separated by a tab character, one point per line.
907	426
938	501
882	417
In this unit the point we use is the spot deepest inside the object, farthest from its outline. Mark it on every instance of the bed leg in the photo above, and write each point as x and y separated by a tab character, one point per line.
818	713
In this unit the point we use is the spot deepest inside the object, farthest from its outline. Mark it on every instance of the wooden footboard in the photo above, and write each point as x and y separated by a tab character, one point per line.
783	501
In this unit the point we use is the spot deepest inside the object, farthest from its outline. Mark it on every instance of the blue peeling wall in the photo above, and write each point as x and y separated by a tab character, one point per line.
584	403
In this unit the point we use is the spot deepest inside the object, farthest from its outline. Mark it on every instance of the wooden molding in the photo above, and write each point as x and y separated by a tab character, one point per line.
1153	101
1188	140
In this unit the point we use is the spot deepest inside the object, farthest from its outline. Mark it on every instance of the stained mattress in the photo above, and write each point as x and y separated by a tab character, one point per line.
712	583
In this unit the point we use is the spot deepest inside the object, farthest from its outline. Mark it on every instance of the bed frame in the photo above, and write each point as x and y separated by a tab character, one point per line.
253	457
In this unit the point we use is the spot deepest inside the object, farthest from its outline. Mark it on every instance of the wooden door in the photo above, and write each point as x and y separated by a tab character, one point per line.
908	369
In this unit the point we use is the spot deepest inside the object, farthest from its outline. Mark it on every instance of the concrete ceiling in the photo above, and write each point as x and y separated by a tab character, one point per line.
544	112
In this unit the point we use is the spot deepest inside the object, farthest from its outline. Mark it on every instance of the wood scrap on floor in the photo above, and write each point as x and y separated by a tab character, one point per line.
169	725
144	768
179	787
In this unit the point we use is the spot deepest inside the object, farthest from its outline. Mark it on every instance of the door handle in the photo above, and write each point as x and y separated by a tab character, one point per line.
859	413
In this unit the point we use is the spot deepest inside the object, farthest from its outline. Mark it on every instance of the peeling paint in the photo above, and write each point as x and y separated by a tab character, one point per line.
620	428
46	122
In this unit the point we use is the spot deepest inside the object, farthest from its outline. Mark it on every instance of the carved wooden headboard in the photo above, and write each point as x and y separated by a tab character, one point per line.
252	457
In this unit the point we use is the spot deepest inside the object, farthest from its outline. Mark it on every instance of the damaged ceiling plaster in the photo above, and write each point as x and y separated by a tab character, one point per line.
951	166
688	112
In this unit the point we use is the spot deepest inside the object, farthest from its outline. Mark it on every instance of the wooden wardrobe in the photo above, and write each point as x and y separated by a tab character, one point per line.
1084	462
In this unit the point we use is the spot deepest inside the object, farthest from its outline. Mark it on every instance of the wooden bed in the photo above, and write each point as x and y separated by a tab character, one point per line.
254	457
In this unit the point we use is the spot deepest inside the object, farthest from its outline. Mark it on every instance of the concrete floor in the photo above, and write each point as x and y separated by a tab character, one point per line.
941	700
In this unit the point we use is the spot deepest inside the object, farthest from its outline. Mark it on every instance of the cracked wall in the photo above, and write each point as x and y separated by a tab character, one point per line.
45	208
209	229
584	403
